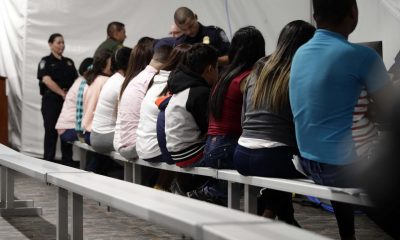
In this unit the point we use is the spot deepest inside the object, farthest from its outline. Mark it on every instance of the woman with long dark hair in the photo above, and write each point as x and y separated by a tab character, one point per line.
268	141
224	128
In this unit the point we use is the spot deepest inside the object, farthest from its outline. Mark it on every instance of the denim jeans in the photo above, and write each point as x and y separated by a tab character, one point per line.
270	162
266	162
345	176
218	153
69	135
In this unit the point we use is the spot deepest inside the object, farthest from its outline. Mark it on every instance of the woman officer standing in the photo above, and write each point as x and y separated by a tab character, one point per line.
56	75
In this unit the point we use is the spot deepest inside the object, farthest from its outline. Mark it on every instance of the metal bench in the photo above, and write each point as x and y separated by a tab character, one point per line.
183	215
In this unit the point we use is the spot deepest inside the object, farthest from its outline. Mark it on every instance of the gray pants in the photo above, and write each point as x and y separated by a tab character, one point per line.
102	143
128	152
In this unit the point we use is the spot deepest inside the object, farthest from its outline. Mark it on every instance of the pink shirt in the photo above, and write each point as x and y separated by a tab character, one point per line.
129	106
90	102
66	120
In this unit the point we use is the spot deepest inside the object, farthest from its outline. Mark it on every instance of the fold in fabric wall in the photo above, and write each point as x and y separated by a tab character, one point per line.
12	29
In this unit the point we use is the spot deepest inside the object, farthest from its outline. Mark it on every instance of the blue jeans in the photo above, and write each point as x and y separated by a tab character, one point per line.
270	162
218	153
69	135
344	176
266	162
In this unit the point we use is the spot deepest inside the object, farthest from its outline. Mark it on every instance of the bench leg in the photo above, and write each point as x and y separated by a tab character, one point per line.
136	173
250	199
128	171
77	217
10	206
62	214
82	158
233	195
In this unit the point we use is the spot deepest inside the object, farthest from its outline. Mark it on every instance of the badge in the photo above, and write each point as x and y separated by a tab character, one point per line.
206	40
42	64
69	63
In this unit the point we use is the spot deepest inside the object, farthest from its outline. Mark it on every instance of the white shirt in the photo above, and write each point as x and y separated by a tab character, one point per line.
146	139
105	115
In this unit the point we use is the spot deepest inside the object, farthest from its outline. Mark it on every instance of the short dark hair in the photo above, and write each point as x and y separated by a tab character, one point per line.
54	36
120	59
85	65
114	27
161	54
199	57
183	13
332	11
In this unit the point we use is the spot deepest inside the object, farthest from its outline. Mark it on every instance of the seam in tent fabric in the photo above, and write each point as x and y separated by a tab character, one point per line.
228	18
393	7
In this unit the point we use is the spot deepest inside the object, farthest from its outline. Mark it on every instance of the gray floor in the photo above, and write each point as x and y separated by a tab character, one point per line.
101	224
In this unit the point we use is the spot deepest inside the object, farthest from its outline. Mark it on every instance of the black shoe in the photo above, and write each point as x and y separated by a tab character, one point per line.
200	194
70	163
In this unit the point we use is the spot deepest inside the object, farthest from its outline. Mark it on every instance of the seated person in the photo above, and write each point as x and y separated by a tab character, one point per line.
186	116
146	143
140	57
96	78
131	100
268	143
327	77
226	100
66	122
105	116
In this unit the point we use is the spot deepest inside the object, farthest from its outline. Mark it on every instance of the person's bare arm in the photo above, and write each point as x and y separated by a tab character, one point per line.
53	86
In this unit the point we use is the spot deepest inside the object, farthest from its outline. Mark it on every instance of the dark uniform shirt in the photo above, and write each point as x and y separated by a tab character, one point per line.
109	44
212	35
62	72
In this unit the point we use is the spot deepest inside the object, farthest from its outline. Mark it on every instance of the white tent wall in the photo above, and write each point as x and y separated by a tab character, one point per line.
12	35
83	25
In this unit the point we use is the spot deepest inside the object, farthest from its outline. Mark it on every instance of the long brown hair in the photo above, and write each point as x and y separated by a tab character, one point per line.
140	57
272	85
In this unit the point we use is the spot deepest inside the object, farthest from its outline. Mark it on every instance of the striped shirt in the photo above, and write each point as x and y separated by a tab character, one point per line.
363	130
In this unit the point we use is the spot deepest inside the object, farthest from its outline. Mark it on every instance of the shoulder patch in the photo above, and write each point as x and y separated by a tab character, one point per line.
223	36
69	63
42	64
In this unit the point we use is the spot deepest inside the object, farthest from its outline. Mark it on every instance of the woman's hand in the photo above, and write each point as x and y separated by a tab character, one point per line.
53	86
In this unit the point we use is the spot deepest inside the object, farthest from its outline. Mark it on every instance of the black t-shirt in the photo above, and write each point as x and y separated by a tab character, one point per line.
212	35
62	71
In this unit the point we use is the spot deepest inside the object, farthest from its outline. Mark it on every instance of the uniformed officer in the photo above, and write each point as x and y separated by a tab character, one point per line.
115	37
195	32
56	75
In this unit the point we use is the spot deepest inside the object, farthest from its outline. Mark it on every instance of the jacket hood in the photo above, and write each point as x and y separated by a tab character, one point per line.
184	78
